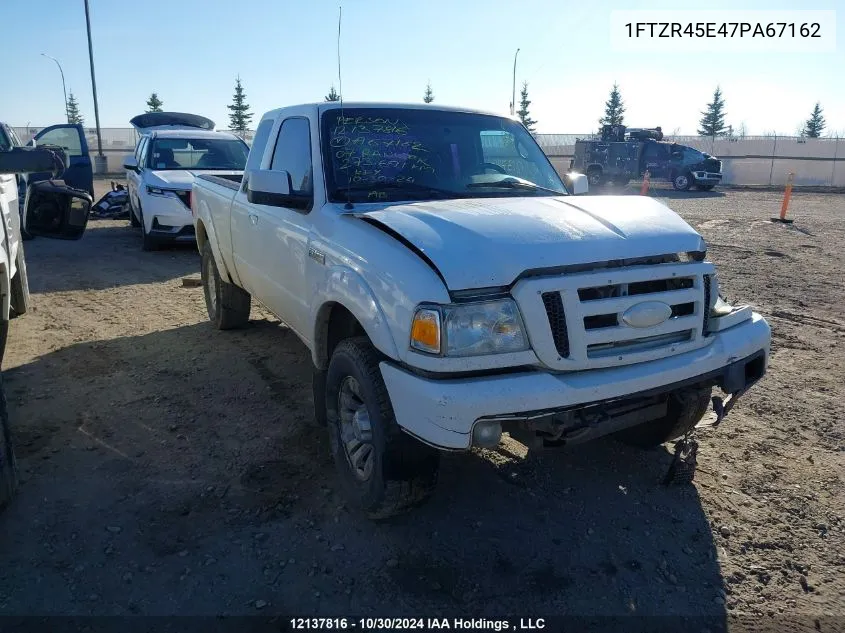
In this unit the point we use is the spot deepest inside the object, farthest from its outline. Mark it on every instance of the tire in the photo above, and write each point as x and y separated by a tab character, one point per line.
8	465
318	388
19	299
595	176
148	242
686	408
25	235
133	221
393	472
704	187
228	306
682	181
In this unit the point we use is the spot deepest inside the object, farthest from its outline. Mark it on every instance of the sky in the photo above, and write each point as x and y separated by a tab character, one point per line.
285	52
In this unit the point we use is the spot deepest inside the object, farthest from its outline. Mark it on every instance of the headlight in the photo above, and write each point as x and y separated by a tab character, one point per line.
156	191
471	329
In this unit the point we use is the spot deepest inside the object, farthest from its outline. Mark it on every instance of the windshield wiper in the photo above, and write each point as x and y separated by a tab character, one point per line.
514	183
405	187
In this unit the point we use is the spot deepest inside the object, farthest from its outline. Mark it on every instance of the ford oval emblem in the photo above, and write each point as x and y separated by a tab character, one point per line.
647	314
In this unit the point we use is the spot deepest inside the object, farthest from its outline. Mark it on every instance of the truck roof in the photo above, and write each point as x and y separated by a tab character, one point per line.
323	106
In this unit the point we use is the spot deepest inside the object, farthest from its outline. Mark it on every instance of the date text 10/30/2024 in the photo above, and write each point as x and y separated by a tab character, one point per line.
419	624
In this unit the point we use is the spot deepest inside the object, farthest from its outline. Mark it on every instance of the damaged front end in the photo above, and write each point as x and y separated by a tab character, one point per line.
582	423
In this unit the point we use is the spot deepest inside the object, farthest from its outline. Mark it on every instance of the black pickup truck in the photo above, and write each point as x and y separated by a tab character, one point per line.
623	154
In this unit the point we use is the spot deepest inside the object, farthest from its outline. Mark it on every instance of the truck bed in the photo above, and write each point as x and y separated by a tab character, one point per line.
230	181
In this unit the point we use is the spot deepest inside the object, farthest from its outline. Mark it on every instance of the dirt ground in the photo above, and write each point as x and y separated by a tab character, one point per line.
168	468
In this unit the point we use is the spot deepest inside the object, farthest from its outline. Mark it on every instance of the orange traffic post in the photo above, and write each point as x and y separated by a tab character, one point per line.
644	188
787	195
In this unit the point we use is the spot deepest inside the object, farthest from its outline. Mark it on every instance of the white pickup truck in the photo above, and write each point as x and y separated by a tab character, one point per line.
450	287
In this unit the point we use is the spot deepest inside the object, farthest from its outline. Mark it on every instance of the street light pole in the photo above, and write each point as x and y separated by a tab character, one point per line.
100	162
64	90
513	89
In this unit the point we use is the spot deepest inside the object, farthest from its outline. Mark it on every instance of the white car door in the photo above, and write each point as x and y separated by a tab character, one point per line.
9	208
133	176
271	242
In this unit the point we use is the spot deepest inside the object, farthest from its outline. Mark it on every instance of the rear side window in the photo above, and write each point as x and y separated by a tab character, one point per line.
293	155
259	144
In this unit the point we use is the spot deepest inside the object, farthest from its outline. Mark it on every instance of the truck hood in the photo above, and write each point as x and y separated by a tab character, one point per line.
182	178
489	242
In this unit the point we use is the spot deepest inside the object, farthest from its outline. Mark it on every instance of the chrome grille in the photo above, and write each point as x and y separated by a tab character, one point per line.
575	320
557	322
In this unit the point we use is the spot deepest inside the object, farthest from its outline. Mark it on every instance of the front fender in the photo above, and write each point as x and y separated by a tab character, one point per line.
344	286
204	227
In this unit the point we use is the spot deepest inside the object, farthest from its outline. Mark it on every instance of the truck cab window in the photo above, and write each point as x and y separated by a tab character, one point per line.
259	143
292	154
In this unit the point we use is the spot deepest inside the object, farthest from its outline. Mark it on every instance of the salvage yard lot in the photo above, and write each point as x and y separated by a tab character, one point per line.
169	468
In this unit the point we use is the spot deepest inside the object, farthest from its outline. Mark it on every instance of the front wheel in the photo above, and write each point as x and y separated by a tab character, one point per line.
133	220
682	182
148	242
686	408
228	306
8	466
595	177
19	299
383	471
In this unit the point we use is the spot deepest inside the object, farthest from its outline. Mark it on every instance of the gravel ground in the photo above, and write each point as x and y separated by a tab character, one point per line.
168	468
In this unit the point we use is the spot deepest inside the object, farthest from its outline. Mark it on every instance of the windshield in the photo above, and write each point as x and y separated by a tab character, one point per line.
389	154
200	153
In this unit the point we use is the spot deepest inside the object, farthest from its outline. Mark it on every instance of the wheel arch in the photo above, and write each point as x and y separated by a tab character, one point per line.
5	290
348	308
205	234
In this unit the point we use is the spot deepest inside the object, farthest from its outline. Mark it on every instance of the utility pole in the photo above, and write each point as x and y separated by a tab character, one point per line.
64	89
100	162
513	88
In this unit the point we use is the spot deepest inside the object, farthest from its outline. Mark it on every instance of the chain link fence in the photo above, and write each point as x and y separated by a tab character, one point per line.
747	160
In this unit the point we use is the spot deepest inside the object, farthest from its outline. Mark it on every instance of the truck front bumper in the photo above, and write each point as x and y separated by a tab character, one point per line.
442	412
707	177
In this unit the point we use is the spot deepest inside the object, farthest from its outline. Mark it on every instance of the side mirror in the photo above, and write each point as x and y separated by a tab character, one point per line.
28	160
130	163
577	184
268	187
274	188
55	210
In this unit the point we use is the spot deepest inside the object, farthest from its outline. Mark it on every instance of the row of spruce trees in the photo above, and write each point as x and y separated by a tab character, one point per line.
712	121
713	117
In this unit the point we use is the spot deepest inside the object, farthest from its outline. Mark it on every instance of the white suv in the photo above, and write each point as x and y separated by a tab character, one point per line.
173	148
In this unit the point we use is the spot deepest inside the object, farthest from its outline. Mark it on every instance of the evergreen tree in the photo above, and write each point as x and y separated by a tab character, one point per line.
154	103
814	126
713	119
240	116
73	114
332	96
428	97
523	113
614	108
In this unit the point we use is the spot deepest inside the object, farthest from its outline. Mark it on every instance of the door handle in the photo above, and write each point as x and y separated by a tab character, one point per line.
253	218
